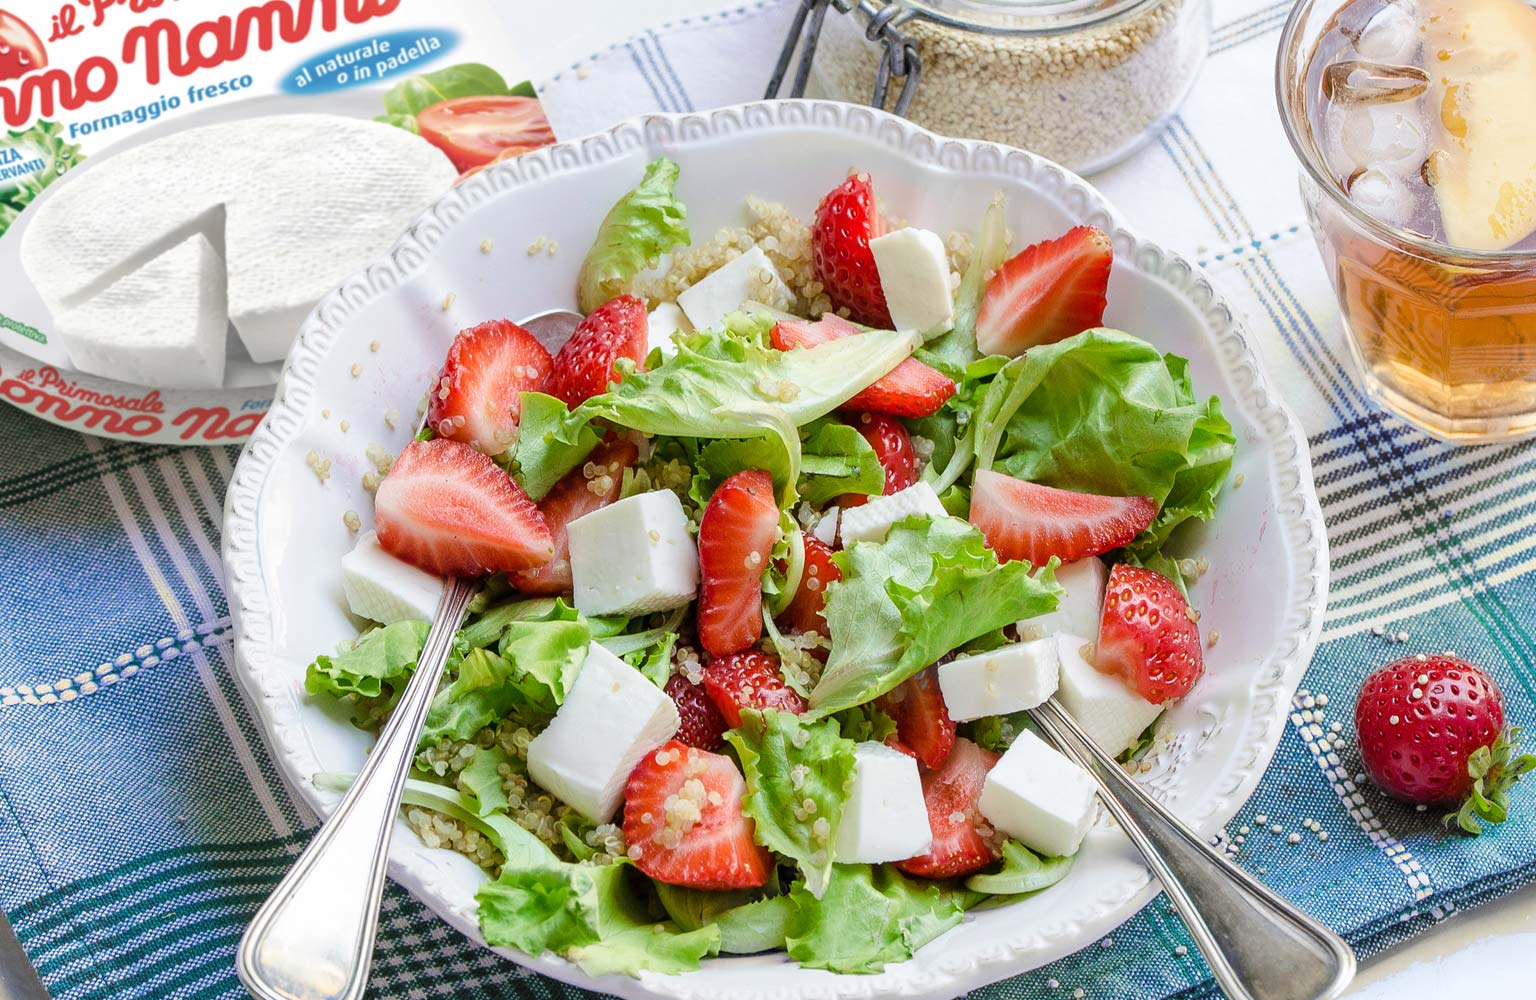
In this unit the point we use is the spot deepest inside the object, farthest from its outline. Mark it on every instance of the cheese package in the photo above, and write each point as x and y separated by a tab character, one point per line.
181	185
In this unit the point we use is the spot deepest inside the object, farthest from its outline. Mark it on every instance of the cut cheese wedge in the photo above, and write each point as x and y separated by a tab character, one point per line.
164	324
294	202
1481	55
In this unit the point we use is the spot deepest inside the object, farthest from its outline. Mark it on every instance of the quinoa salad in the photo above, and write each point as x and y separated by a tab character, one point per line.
775	554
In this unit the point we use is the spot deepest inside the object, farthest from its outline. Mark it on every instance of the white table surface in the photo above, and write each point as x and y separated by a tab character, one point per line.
1483	950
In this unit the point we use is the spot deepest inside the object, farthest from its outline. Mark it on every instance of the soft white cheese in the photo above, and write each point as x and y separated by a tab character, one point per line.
826	528
885	818
294	202
384	589
611	717
634	556
872	521
1080	608
165	324
914	275
664	321
1039	797
750	277
1105	706
1009	679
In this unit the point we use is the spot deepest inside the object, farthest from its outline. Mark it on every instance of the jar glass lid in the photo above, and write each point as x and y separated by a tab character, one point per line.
1021	16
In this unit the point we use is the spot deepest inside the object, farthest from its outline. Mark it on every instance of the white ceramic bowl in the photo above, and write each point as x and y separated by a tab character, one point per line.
284	534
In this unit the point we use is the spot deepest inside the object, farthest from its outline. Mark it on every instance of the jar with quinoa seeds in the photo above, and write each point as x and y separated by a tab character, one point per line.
1082	82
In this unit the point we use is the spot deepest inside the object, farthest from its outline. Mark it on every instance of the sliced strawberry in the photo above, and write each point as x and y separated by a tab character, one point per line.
893	447
749	679
922	719
1047	292
684	824
597	483
846	220
1023	520
702	724
450	510
585	365
911	389
739	527
962	838
476	398
804	611
1148	635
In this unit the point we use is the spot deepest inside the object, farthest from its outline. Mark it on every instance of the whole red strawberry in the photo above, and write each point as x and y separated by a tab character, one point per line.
701	724
893	448
585	365
1147	635
1432	733
846	220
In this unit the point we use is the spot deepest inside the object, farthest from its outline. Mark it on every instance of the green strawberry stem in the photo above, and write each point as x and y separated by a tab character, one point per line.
1494	771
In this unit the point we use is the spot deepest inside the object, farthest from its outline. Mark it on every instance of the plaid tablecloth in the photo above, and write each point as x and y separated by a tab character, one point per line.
141	820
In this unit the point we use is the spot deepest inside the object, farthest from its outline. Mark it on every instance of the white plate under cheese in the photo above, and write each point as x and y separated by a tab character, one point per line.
293	203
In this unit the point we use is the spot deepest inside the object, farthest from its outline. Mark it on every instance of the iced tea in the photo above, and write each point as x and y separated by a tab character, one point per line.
1415	123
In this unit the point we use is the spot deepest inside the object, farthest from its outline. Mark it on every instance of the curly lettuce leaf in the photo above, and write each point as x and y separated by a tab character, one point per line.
868	918
1104	412
644	224
480	781
836	459
379	659
722	384
590	914
797	772
1021	870
536	663
748	921
932	586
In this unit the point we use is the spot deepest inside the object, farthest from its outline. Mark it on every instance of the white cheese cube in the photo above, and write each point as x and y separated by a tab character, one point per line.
914	274
750	277
872	521
664	321
885	818
826	528
1080	608
1008	679
384	589
163	325
634	556
611	717
1105	706
1039	797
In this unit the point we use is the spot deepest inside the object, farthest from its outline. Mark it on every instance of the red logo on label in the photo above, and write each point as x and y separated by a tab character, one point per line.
21	51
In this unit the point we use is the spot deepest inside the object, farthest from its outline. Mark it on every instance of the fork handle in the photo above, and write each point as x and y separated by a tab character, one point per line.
1259	946
313	938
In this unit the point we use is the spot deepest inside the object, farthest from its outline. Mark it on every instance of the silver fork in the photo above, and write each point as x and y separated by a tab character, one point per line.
1259	946
313	938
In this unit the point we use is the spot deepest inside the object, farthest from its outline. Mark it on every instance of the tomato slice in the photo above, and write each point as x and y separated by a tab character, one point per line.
21	51
474	131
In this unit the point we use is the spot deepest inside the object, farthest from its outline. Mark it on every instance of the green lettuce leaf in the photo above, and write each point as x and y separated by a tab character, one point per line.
549	443
537	663
789	763
644	224
868	918
931	587
1021	870
590	914
835	459
480	781
748	921
382	657
1104	412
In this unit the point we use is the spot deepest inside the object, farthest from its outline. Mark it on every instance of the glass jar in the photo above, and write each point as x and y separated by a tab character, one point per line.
1082	82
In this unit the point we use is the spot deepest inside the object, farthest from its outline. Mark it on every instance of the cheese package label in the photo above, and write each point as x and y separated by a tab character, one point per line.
181	183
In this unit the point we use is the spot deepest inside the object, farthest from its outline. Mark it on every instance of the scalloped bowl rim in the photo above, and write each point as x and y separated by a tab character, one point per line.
935	971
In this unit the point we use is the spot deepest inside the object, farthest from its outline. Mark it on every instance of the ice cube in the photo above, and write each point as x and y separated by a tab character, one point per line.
1390	36
1356	82
1387	137
1383	196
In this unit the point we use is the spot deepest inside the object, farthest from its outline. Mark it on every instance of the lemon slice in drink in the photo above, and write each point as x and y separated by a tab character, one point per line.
1481	57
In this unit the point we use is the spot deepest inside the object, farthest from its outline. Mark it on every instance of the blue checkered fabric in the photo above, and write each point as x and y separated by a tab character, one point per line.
141	819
